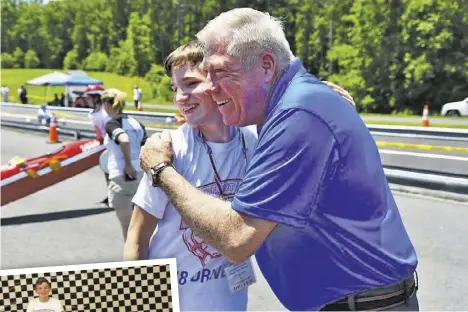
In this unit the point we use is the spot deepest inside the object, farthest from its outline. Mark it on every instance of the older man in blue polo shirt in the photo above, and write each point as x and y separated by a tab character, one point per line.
314	207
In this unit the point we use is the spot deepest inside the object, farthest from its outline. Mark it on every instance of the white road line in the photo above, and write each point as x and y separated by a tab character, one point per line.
423	155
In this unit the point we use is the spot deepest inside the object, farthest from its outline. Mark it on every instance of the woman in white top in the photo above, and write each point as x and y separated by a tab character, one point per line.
124	138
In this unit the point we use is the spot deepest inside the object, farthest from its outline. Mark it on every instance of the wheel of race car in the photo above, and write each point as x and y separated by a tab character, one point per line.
103	159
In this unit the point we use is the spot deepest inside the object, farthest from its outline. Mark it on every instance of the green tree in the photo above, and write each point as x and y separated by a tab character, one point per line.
96	61
71	60
18	57
7	60
31	60
138	42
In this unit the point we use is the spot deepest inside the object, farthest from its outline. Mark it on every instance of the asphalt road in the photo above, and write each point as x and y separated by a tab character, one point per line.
447	162
64	224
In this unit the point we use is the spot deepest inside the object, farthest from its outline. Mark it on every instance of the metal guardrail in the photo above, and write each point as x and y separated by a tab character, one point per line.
424	179
84	110
438	133
428	180
67	131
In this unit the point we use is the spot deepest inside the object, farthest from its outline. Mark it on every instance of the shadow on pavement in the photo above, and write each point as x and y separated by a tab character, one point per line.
53	216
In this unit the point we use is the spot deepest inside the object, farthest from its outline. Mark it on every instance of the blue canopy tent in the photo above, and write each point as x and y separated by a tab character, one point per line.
60	79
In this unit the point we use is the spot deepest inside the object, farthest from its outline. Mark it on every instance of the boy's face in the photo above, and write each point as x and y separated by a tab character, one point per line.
89	100
192	96
43	290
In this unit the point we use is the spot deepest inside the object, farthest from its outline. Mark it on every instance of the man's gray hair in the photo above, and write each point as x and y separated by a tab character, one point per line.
247	33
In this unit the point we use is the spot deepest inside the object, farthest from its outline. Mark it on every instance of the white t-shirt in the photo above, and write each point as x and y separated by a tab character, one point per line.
53	305
201	277
137	136
137	94
5	91
99	119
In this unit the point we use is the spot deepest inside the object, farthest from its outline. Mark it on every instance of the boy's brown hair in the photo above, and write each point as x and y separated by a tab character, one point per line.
190	53
42	280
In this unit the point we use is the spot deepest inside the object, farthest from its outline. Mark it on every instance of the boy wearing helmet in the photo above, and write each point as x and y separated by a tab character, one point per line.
99	118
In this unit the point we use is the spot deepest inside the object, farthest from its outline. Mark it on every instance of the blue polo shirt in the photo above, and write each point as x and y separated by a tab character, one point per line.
317	173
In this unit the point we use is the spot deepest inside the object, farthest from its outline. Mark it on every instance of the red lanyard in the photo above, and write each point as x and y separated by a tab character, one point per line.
218	180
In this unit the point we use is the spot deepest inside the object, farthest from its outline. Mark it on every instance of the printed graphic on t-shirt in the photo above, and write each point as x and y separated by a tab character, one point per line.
195	244
202	276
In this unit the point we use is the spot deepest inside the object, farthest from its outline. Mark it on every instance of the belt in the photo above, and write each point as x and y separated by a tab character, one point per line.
377	299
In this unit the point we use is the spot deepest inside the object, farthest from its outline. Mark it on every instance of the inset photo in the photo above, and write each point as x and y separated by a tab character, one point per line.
140	286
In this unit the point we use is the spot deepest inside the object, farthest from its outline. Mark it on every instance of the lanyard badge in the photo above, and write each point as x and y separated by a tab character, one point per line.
239	276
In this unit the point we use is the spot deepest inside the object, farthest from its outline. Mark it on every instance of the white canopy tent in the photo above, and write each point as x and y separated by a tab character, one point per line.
46	79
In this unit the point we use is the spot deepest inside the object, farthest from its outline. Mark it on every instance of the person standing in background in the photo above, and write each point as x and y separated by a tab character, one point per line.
5	91
23	95
137	95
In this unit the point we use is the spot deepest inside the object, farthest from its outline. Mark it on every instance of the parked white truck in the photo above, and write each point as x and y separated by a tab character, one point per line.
455	109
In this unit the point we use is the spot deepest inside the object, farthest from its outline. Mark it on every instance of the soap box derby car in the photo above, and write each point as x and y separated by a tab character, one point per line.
22	177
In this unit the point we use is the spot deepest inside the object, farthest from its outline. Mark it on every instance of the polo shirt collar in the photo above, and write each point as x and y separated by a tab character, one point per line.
281	84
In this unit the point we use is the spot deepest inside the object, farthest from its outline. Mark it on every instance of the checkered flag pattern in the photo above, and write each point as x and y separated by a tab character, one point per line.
139	289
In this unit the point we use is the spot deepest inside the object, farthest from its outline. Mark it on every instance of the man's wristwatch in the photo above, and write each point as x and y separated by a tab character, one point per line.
155	172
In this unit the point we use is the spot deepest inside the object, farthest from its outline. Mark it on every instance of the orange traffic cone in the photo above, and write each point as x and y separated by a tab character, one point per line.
53	134
425	117
140	107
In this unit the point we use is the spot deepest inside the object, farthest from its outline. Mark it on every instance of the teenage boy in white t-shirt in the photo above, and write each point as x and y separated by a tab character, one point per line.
202	280
213	157
44	303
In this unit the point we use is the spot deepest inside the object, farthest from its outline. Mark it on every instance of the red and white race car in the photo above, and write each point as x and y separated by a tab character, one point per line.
22	177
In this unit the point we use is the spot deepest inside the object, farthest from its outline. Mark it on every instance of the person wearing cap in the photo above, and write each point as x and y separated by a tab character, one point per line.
99	118
124	138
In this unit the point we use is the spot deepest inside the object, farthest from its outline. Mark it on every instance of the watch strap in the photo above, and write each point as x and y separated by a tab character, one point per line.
156	172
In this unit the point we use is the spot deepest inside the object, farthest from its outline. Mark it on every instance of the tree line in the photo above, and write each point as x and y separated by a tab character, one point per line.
392	55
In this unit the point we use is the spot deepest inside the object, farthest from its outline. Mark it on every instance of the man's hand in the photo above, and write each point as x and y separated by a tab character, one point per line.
157	149
341	91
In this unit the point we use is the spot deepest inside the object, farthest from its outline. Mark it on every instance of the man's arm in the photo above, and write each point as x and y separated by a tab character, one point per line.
140	230
280	187
235	235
